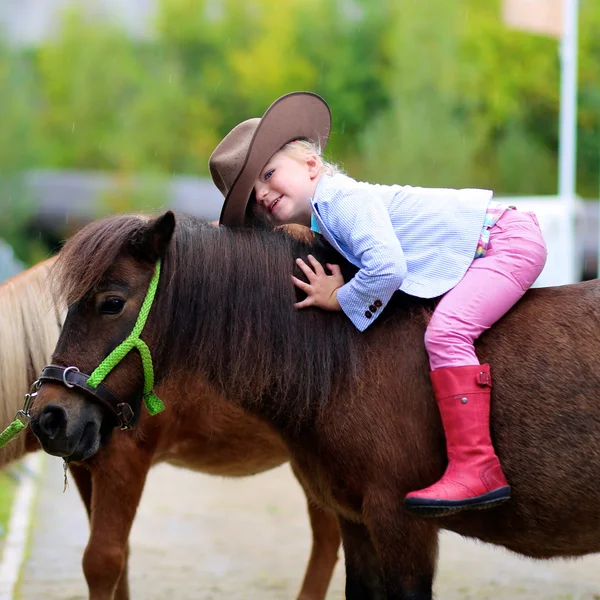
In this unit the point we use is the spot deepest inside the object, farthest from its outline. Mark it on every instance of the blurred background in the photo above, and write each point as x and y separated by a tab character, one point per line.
115	105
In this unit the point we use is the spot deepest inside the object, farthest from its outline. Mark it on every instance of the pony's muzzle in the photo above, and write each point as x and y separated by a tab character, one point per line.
67	431
53	421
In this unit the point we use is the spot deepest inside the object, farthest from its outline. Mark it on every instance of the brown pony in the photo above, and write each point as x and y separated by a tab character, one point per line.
355	409
216	438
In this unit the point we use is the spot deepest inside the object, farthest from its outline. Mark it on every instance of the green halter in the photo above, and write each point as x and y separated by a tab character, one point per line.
153	403
151	400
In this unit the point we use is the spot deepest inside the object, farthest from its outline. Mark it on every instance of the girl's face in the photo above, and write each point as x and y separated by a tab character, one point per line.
285	186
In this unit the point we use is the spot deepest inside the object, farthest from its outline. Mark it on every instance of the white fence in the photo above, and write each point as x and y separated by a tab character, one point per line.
565	260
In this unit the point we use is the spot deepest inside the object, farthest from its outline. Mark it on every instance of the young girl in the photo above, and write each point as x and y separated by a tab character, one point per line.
480	255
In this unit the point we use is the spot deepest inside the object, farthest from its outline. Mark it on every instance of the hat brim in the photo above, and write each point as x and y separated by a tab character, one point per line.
293	116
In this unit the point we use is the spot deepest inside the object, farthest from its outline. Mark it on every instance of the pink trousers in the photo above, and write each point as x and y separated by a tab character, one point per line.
491	286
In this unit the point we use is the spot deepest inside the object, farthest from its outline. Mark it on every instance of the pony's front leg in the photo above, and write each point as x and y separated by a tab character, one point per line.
117	489
407	548
122	591
364	577
83	479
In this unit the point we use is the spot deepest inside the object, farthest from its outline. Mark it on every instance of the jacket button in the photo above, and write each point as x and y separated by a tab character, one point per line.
378	303
368	314
373	308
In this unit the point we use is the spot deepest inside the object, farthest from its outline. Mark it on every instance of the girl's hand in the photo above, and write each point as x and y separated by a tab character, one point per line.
321	289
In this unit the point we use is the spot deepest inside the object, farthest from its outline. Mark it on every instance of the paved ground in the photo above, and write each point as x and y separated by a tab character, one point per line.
205	538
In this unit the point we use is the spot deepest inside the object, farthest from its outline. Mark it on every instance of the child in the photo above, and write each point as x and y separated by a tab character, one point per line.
480	255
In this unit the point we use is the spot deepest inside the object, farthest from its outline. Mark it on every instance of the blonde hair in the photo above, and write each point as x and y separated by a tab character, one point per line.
301	149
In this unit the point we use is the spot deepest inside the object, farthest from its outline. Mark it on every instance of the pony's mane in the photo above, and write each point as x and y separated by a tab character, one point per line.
30	324
90	252
224	309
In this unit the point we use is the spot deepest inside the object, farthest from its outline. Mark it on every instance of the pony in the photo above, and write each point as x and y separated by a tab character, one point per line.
219	439
356	410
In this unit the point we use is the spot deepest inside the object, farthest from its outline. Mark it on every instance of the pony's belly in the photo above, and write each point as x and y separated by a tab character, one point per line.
239	461
542	538
219	438
233	449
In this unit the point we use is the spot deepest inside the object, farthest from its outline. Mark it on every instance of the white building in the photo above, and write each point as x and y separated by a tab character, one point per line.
27	22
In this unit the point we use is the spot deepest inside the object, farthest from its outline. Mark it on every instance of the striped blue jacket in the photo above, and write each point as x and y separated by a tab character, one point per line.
417	240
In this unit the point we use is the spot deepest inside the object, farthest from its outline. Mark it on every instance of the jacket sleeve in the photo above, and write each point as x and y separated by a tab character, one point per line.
363	225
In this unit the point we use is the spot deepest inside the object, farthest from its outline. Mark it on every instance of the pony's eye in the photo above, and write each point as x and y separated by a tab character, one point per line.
112	306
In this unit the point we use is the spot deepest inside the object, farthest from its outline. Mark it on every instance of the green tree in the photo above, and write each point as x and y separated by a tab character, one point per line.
589	100
18	150
239	57
113	104
440	93
426	137
476	103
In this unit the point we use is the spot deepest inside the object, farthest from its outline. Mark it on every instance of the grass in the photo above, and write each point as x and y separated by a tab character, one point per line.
8	486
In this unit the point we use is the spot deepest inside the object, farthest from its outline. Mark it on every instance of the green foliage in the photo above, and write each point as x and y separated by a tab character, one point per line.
17	148
347	45
437	93
481	108
110	104
7	493
589	99
428	136
132	195
239	57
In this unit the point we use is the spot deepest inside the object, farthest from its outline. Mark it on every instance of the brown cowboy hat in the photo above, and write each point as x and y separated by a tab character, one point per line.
238	160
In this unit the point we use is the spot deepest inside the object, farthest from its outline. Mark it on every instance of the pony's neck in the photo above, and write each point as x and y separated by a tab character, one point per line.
231	318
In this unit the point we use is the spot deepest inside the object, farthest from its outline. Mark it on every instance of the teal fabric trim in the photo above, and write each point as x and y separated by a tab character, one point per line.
313	223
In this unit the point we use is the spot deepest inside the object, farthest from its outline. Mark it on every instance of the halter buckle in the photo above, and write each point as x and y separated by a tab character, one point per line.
125	414
64	376
23	415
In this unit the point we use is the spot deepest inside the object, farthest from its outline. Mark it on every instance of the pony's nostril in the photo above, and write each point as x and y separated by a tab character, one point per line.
53	419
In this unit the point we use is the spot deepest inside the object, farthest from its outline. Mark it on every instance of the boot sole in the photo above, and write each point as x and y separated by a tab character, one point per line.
425	507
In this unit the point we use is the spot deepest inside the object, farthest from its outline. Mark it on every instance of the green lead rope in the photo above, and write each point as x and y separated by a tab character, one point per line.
151	400
12	431
21	418
153	403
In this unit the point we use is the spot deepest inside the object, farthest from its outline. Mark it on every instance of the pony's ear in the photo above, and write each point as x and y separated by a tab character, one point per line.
154	239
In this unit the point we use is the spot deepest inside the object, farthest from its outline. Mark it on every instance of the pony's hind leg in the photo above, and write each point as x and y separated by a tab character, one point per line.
324	550
323	555
364	576
407	548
